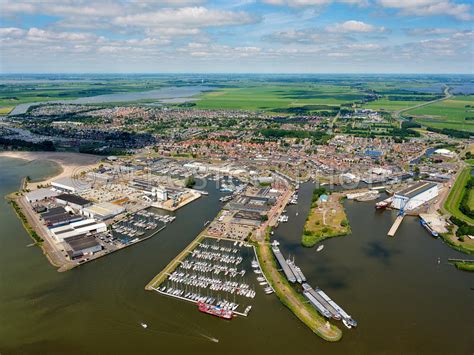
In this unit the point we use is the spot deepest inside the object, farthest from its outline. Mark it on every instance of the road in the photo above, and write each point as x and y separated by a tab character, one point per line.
447	95
53	251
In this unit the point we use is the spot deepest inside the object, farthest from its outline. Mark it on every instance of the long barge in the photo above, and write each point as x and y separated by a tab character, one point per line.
293	269
284	265
334	313
343	313
428	228
319	307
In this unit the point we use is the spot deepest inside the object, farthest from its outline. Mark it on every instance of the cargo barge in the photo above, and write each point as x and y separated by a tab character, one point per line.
347	319
428	228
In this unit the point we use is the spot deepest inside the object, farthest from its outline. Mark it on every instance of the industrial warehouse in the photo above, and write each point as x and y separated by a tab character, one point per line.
414	196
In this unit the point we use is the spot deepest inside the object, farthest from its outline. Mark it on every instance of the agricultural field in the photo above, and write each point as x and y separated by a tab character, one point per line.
12	94
279	98
387	105
454	113
5	110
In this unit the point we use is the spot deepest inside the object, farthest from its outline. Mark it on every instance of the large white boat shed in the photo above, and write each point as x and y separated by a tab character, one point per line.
415	195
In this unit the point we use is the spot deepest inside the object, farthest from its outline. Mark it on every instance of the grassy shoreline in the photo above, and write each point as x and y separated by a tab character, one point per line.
464	265
293	300
31	232
339	226
456	194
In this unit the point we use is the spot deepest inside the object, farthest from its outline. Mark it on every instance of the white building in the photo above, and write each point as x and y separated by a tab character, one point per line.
415	195
102	211
86	226
72	185
40	195
161	194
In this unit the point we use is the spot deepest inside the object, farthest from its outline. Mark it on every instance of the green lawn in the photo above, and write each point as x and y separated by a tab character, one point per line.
271	97
451	113
456	194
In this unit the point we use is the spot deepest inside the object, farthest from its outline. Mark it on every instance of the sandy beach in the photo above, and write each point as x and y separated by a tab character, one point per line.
70	163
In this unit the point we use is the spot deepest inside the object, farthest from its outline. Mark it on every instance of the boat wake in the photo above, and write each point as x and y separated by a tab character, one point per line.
214	340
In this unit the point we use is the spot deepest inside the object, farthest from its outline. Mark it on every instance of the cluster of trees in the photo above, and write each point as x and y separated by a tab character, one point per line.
412	98
190	181
316	194
19	144
463	227
465	207
451	132
284	133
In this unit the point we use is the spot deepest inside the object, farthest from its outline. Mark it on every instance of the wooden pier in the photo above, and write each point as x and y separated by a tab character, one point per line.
396	224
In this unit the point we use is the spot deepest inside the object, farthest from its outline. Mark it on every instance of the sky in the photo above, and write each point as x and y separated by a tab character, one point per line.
242	36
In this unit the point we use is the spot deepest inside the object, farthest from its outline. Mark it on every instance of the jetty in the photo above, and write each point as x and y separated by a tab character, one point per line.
284	265
396	224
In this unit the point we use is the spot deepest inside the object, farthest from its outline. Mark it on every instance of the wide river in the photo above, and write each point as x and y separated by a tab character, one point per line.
404	301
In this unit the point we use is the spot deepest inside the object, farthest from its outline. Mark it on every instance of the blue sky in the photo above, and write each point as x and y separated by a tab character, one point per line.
267	36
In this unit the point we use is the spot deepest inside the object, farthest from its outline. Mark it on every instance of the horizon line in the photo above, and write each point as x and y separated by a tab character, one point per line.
235	73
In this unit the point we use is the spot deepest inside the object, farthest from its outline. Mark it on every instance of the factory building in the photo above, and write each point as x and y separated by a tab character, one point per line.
70	185
77	203
87	226
40	195
82	245
58	216
415	195
102	211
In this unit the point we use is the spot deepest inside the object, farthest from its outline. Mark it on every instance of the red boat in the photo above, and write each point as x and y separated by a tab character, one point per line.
381	205
215	310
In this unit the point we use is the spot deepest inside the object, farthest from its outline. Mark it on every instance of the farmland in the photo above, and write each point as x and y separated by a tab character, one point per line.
277	98
454	113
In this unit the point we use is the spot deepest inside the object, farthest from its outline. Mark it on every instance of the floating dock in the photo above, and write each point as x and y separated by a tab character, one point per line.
284	265
332	311
326	306
293	269
333	304
319	307
395	226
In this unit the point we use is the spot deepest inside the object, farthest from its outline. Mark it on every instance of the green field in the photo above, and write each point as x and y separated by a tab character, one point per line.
18	93
274	97
389	105
456	194
5	110
451	113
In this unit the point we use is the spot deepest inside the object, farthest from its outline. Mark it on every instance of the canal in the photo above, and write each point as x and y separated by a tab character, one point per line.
403	300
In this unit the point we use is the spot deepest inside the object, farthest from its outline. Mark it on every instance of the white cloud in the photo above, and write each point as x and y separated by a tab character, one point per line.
11	32
195	17
429	31
301	3
430	8
353	26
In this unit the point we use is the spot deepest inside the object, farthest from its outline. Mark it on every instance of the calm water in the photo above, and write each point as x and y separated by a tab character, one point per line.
403	300
168	93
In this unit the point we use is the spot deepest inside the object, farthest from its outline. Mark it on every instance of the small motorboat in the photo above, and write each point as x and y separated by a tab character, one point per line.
346	323
321	247
144	325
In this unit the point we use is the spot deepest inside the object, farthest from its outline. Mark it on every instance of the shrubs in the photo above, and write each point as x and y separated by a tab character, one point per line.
28	228
464	206
463	227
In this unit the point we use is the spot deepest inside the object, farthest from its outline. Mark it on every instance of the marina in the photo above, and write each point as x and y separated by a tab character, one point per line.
362	290
139	225
214	276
